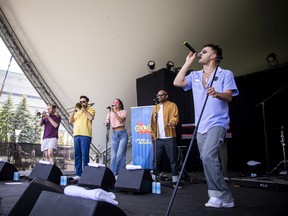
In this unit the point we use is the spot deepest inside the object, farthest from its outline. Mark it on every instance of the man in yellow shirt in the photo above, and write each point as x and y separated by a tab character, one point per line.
82	123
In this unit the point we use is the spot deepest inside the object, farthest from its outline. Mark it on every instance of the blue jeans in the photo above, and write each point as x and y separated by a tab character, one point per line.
118	150
208	145
81	152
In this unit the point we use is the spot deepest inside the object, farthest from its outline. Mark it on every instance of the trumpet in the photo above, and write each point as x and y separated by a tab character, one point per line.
78	106
39	114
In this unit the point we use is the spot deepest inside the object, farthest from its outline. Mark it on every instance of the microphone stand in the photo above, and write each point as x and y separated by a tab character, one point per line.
191	142
264	124
107	137
155	144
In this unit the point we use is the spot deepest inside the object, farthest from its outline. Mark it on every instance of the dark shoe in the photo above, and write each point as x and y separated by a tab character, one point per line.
227	180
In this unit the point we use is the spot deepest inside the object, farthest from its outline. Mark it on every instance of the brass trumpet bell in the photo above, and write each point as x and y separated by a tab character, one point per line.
78	106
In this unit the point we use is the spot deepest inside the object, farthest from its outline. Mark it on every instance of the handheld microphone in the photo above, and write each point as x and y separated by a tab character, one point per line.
155	100
109	107
191	49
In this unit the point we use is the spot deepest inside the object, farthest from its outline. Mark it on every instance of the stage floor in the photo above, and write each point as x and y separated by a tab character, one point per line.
189	200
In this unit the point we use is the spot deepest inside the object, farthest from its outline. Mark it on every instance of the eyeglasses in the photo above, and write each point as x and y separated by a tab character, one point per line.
160	95
82	101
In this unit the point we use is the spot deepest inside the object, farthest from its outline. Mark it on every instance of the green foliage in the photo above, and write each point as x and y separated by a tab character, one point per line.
21	119
6	119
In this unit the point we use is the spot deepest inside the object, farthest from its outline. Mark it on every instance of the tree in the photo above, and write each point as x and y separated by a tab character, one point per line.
6	119
37	128
23	121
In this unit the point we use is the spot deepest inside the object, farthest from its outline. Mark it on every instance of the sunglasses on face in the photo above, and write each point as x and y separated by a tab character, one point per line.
160	95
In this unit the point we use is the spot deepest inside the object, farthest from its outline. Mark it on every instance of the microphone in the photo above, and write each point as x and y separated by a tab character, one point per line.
155	100
109	107
191	49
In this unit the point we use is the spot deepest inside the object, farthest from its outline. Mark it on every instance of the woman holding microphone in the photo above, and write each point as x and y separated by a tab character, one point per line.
116	117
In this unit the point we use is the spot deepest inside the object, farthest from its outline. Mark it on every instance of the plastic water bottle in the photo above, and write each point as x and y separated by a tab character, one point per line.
16	176
158	188
63	180
153	187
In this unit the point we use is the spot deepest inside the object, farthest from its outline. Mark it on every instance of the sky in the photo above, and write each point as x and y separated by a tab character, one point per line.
5	56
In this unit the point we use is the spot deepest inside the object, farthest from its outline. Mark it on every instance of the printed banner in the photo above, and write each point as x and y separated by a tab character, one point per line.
142	147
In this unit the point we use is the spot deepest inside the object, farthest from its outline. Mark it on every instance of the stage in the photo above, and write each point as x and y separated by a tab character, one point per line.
189	200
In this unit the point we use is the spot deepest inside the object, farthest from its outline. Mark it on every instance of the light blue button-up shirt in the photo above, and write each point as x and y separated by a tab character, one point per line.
216	112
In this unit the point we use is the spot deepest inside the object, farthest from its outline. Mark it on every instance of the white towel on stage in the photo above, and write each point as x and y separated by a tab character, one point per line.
94	194
44	162
96	165
253	163
133	167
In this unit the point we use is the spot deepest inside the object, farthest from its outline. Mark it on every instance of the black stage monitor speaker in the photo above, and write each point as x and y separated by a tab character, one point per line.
46	171
50	203
137	181
7	171
97	177
29	197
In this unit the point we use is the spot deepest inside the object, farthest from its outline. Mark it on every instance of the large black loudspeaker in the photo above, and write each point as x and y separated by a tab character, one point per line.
137	181
29	197
50	203
97	177
7	171
46	171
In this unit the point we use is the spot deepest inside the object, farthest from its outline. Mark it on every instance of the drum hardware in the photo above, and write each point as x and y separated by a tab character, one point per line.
186	177
284	161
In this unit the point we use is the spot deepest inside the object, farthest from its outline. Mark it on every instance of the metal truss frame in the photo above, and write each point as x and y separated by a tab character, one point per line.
29	69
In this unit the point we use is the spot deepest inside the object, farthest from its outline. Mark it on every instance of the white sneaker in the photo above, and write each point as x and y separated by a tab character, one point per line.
228	205
76	178
214	202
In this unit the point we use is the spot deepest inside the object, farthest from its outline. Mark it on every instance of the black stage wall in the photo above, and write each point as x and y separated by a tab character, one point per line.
246	112
147	88
269	90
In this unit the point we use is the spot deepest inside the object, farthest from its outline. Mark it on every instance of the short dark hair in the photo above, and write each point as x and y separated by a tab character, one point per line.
216	48
86	98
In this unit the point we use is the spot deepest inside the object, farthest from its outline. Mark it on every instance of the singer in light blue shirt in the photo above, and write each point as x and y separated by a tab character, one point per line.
218	87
